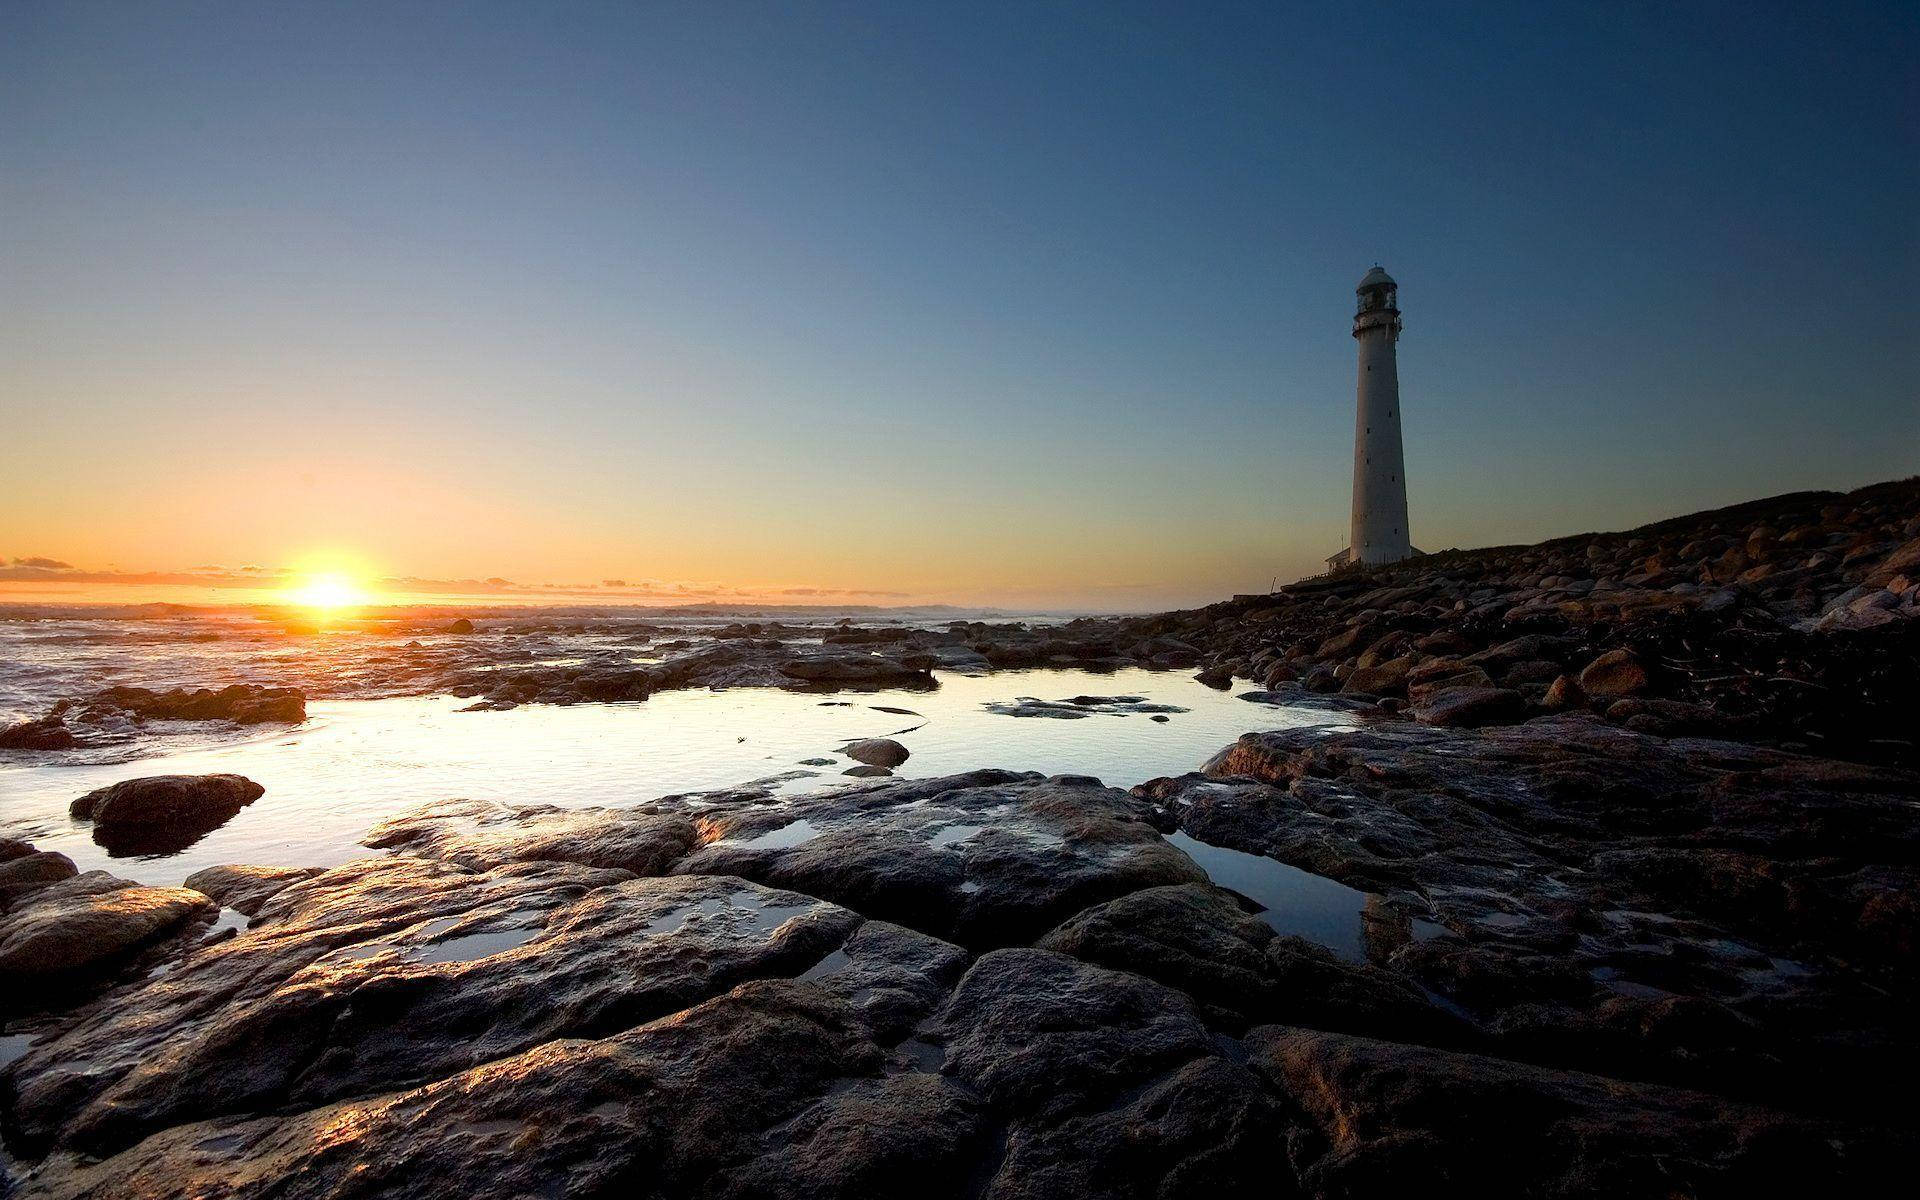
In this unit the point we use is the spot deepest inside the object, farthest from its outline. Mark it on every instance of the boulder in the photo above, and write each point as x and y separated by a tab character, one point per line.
31	871
877	752
1613	675
1470	706
163	813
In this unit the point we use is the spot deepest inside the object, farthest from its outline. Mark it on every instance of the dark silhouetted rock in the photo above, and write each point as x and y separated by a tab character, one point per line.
1471	706
47	733
877	752
163	813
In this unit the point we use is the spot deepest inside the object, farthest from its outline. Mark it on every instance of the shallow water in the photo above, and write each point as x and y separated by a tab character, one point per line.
357	762
1291	901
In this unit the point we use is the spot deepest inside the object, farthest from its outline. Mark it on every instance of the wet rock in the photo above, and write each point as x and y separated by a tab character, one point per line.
1194	938
900	1135
1471	706
460	625
482	834
31	871
990	858
1218	677
241	703
1077	707
159	814
869	771
1390	1117
1205	1129
877	752
87	924
678	1103
245	889
861	670
387	973
1043	1033
46	733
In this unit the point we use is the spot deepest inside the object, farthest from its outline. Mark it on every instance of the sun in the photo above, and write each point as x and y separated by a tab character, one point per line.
328	592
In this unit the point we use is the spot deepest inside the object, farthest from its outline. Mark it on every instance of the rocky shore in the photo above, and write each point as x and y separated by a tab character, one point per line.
1622	833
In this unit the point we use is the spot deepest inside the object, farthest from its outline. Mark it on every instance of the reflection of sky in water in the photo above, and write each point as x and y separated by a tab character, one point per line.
357	762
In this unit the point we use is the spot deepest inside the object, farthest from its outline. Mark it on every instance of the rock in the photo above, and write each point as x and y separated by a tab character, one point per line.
1218	677
1392	1117
1563	692
1208	1128
47	733
986	859
460	625
681	1103
1588	876
241	703
482	834
861	670
382	974
86	924
163	813
30	872
244	888
868	771
1078	707
1438	674
905	1134
1194	938
877	752
1381	679
1615	674
1040	1032
1470	706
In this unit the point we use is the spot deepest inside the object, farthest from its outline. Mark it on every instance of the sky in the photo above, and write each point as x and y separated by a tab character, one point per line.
1034	305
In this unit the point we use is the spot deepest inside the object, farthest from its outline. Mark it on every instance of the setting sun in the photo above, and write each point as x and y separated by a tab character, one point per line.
328	592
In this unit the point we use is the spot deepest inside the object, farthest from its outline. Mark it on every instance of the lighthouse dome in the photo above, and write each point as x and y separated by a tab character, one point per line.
1375	278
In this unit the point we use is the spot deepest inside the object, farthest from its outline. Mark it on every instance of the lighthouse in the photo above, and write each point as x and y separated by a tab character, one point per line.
1379	531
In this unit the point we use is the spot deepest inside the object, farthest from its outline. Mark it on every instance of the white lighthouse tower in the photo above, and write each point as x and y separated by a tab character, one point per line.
1379	533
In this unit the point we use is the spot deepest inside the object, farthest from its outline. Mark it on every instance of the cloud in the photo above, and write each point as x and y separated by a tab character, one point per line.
44	564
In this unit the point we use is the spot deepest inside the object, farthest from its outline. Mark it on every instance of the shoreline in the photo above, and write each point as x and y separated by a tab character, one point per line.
1631	818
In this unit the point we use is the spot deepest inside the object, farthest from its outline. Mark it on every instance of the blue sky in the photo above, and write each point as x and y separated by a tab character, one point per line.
1029	303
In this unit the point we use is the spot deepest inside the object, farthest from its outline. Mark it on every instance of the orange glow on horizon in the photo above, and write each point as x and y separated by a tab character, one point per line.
328	592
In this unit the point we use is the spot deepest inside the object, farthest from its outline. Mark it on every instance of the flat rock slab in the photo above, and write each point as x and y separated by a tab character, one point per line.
987	859
387	973
483	833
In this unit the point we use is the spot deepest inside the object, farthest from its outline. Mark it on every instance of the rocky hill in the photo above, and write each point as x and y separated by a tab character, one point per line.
1792	621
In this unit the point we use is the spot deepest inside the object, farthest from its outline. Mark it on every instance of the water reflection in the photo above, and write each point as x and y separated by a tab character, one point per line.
357	762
